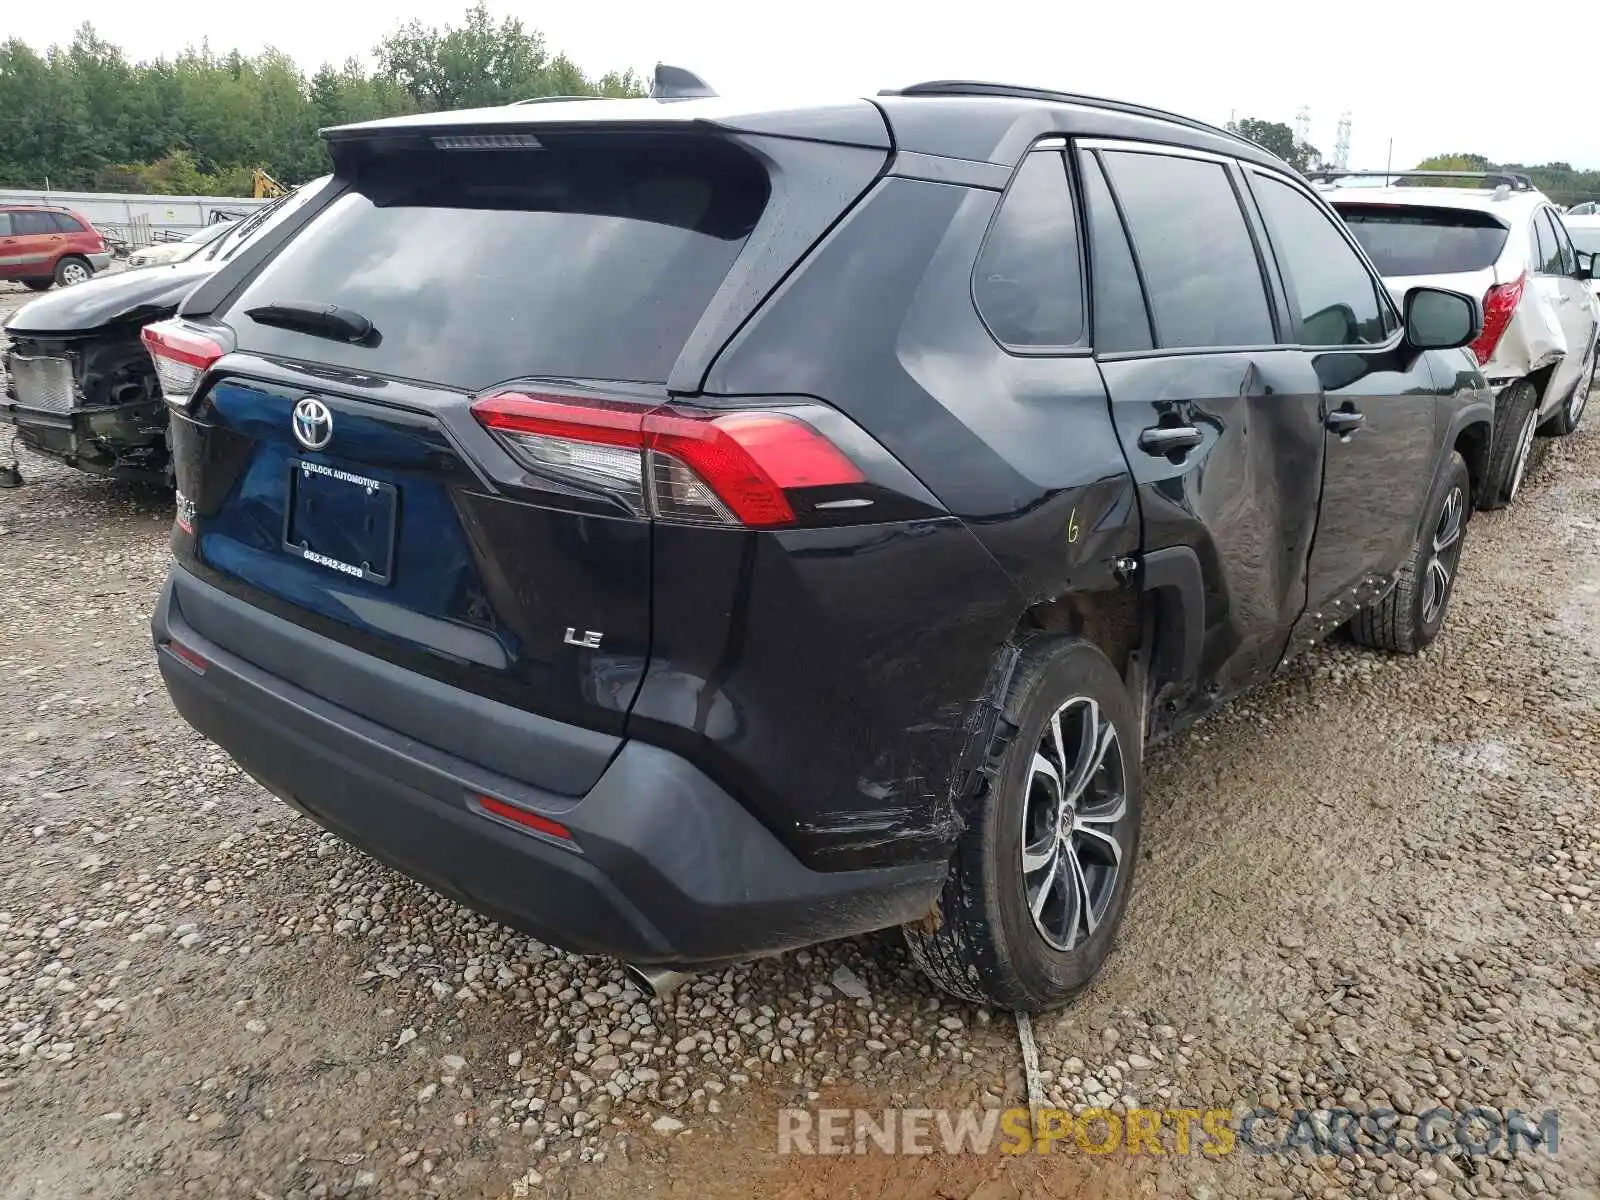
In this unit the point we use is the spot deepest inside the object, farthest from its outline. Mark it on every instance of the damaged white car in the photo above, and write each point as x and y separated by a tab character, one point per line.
1494	236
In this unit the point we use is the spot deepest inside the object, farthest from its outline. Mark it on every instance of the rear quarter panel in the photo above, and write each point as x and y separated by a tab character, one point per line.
905	626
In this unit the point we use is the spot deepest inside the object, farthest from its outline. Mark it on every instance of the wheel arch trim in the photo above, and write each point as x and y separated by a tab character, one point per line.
1173	575
1463	423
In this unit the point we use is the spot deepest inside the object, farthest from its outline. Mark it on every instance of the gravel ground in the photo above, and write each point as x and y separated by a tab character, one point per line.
1373	883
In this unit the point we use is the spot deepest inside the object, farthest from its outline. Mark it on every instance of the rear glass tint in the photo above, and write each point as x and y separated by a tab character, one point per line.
1027	284
1425	241
476	267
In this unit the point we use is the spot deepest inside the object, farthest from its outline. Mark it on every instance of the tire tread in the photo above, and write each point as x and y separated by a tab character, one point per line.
957	946
1511	410
1393	623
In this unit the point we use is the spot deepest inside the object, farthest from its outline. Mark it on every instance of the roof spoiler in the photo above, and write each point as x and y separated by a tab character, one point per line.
676	83
1510	180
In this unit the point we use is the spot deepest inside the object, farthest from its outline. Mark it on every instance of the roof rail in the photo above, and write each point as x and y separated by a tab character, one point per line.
551	100
971	87
1512	180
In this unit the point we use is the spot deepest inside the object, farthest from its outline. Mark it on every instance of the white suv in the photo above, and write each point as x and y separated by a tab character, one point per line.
1505	242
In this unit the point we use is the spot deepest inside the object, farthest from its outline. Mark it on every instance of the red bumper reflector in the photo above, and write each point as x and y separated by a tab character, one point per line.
188	657
523	817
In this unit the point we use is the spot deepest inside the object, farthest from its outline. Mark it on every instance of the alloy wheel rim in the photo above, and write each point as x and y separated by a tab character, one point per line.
1446	552
1524	449
1073	819
1580	397
73	273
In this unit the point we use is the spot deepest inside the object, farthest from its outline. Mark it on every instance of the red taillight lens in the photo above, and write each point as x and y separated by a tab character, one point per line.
181	356
1499	305
731	468
749	460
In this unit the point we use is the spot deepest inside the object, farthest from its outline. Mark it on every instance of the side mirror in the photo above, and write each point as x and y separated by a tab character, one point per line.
1437	319
1585	264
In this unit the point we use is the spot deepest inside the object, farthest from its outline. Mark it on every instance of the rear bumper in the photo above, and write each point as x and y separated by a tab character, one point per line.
99	261
663	867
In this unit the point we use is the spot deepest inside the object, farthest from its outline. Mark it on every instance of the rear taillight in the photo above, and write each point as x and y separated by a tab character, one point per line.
671	462
1499	305
181	355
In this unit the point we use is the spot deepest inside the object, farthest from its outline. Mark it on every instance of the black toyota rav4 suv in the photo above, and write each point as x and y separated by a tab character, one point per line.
686	531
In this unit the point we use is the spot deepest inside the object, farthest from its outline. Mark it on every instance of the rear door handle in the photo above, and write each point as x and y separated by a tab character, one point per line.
1345	421
1170	439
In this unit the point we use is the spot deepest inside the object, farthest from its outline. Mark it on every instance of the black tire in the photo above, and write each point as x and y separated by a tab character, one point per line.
1408	619
1566	418
1516	418
68	268
38	285
983	942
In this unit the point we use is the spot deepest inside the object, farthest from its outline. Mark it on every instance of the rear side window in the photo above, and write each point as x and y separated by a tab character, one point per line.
1195	250
66	224
1120	320
5	224
1425	241
1336	296
594	260
1028	285
24	223
1569	261
1544	258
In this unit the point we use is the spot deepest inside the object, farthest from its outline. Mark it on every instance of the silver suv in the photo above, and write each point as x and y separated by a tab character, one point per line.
1490	235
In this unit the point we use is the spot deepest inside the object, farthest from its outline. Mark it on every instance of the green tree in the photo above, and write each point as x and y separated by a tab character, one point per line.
1450	162
1279	139
1561	181
83	116
481	62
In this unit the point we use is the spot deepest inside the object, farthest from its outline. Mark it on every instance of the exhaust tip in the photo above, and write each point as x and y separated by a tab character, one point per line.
658	981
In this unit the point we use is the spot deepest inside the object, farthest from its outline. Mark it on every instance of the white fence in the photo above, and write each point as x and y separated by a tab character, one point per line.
140	220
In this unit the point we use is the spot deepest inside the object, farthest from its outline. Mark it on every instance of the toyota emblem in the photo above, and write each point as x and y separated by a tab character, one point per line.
312	423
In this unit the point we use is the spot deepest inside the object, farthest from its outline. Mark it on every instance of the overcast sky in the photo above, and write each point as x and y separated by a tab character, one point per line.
1433	76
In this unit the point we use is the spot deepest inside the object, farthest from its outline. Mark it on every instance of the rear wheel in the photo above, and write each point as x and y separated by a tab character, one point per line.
1516	421
1042	874
72	269
1569	414
38	285
1411	615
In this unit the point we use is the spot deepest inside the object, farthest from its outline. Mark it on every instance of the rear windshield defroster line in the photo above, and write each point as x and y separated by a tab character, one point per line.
591	261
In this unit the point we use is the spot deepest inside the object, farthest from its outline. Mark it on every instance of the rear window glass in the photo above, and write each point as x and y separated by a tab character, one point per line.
25	222
1425	241
1199	263
1027	284
477	267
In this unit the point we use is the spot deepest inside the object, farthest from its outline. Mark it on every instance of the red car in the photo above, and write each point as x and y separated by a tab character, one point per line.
42	246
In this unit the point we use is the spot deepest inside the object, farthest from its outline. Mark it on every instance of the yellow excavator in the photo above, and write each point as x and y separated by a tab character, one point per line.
266	187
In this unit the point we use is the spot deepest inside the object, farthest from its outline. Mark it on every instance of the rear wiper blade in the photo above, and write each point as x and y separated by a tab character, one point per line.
321	320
